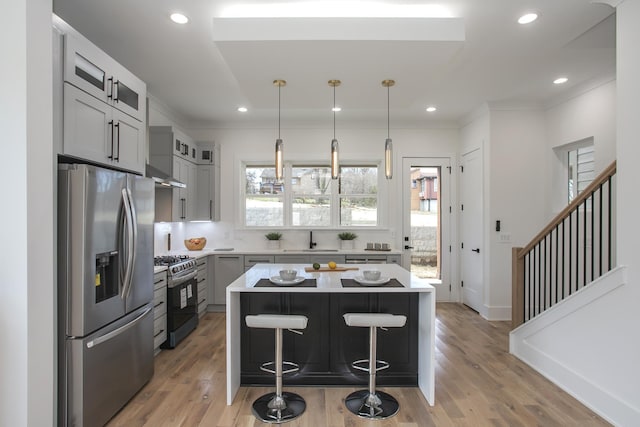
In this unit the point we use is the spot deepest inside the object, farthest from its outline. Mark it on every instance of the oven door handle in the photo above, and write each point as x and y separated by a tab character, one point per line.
182	279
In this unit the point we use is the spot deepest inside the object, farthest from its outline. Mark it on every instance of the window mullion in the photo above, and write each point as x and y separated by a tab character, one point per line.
287	197
335	204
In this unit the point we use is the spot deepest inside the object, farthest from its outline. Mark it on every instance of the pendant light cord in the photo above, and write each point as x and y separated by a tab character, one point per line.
279	87
387	112
334	112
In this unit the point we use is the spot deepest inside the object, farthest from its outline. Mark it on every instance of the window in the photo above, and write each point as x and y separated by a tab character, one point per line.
264	197
310	198
358	196
580	165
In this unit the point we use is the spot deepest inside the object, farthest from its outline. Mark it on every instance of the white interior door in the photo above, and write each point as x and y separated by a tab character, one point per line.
471	250
426	221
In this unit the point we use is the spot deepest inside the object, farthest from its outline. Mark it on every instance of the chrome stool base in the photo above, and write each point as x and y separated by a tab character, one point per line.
377	406
274	409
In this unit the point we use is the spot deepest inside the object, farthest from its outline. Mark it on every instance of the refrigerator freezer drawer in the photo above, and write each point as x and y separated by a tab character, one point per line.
105	369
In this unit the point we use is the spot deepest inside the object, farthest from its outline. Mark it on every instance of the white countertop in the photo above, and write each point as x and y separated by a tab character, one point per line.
329	281
159	268
210	251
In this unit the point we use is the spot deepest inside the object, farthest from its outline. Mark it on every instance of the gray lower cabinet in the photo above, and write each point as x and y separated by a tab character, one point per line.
227	268
159	310
203	275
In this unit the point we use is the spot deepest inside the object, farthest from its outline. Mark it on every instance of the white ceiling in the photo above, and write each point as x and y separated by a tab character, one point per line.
500	61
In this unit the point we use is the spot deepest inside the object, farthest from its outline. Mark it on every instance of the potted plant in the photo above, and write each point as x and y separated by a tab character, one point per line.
273	240
347	239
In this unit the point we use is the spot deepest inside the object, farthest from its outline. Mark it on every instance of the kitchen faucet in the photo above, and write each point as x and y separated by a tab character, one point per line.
311	242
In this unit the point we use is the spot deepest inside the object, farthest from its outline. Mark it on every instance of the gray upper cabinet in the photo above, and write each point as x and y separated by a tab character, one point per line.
170	151
104	107
208	183
90	69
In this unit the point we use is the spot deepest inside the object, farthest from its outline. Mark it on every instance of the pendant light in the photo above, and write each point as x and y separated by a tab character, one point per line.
335	164
279	145
388	145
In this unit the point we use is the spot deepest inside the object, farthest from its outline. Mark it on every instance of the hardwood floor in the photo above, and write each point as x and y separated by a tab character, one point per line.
478	383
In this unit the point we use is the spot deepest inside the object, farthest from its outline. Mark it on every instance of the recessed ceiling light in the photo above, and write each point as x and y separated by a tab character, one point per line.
242	109
431	109
336	109
560	80
527	18
179	18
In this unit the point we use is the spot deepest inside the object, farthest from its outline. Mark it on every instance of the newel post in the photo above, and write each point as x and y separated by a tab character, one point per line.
517	288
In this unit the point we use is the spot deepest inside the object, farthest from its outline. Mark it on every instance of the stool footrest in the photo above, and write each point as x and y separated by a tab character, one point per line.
294	367
364	365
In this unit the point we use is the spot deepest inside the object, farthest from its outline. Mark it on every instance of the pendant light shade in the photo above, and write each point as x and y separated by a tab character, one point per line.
335	163
279	144
388	158
388	145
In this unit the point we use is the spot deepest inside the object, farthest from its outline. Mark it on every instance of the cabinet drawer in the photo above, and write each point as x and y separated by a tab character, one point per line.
326	258
202	290
159	302
159	331
160	280
292	259
251	260
394	259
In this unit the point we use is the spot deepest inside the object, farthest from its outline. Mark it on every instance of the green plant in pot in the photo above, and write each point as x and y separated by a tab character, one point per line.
273	240
347	239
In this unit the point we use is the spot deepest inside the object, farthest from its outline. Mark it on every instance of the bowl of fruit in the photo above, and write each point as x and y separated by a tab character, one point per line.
195	243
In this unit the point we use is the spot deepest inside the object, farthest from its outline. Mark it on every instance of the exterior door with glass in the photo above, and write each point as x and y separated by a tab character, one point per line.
426	222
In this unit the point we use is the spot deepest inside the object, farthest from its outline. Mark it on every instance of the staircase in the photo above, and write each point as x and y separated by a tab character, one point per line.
572	251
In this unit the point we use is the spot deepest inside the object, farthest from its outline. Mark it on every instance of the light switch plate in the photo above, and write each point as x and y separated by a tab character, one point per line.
504	238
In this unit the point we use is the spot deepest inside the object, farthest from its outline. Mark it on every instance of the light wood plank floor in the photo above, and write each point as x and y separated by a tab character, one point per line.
478	383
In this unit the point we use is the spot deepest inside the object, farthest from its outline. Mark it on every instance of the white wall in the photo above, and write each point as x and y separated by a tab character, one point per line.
27	358
517	160
589	115
514	154
593	352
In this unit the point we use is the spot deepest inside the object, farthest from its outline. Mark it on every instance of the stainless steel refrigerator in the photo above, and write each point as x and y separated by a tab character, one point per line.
105	291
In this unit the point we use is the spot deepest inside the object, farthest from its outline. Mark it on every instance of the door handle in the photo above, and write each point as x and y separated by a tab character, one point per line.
408	247
476	250
111	125
117	157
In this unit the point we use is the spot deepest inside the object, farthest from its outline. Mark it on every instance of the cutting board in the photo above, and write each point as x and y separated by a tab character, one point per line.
311	269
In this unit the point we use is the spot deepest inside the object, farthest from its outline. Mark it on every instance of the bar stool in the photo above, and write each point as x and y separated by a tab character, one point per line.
278	407
370	403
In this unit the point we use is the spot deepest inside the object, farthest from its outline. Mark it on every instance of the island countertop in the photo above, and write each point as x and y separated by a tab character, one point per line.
329	282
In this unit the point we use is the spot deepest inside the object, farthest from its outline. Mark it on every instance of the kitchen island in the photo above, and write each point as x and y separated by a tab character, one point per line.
326	291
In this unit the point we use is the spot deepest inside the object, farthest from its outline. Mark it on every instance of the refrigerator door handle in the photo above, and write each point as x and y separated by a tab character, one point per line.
116	332
134	222
130	237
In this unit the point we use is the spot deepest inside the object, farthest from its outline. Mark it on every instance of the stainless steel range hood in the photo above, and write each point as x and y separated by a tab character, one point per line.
162	178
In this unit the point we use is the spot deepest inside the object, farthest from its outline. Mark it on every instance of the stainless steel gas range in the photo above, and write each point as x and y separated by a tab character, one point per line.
182	297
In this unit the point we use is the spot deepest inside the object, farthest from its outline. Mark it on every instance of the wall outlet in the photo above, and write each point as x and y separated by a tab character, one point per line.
504	238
